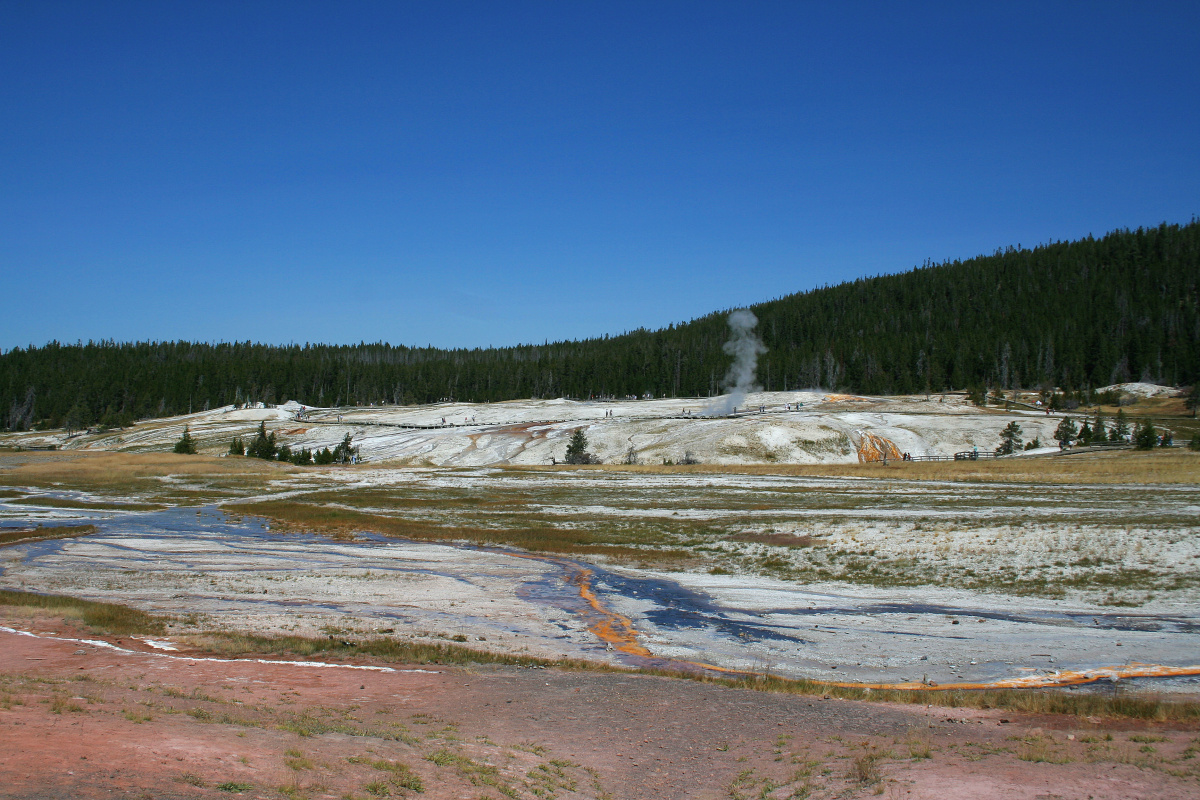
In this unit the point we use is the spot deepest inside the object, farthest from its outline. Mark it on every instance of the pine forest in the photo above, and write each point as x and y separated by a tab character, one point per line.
1074	315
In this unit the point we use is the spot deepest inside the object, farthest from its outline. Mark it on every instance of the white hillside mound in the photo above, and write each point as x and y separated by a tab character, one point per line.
770	428
259	415
1141	389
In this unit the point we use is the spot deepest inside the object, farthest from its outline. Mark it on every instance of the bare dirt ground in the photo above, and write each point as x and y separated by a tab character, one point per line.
81	720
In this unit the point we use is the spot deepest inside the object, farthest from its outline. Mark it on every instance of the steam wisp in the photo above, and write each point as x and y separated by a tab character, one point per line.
745	347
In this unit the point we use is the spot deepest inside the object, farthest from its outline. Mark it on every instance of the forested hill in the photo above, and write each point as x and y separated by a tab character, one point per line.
1072	314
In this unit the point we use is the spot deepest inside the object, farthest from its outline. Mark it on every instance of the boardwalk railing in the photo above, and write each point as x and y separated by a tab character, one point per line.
968	455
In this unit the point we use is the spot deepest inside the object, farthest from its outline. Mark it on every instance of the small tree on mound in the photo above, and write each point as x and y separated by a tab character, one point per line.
577	449
345	452
1010	440
237	447
186	444
263	445
1144	436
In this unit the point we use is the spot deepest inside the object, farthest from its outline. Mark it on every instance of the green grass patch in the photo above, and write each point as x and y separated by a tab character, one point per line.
542	538
21	535
86	505
384	649
233	786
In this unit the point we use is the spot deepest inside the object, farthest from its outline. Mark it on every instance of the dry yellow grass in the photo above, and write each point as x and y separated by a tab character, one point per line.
83	470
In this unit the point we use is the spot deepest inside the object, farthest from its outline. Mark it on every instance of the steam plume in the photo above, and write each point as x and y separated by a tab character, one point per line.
745	347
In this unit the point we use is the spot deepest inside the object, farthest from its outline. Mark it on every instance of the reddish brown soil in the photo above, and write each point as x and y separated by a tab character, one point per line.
78	721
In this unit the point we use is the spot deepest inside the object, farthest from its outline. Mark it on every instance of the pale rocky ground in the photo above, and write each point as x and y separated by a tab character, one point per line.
825	429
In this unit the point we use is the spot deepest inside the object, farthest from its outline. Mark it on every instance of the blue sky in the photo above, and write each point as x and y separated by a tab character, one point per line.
466	174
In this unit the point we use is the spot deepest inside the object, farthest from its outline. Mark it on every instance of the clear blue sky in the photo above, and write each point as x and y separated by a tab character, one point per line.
466	174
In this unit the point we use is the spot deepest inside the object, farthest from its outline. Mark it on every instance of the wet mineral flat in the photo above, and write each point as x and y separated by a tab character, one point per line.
214	571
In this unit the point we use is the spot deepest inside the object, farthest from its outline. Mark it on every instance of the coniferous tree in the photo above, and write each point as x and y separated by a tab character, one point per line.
186	444
237	447
263	445
1192	401
577	448
75	418
1145	437
1120	428
1065	433
1010	439
345	452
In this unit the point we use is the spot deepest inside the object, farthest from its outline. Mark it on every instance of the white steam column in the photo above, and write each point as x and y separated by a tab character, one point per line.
745	347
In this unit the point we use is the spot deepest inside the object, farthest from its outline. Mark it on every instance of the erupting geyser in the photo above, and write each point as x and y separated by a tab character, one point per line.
745	347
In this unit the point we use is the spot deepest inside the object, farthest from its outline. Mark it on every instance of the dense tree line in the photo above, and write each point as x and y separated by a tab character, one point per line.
1071	314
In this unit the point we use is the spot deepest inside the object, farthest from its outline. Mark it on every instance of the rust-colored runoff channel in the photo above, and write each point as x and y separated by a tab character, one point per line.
618	631
1066	677
612	628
